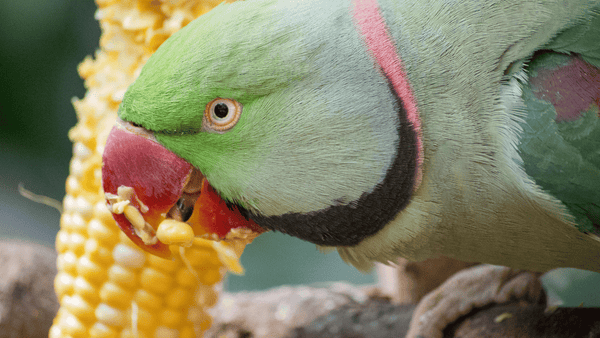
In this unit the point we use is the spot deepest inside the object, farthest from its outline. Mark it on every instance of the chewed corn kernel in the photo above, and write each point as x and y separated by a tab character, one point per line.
121	204
107	287
134	216
171	231
228	255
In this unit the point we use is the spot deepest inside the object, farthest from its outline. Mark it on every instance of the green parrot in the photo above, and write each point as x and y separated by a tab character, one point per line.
382	128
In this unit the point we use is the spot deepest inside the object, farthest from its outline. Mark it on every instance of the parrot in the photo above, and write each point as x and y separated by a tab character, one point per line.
381	128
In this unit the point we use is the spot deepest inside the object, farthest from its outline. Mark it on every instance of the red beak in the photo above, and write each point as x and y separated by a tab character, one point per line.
145	184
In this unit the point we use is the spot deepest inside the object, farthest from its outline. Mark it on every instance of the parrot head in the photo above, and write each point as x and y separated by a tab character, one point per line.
257	117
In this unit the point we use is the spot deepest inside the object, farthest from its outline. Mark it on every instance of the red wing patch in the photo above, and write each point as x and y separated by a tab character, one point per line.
572	88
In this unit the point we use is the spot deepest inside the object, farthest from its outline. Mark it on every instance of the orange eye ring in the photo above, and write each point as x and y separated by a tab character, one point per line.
221	115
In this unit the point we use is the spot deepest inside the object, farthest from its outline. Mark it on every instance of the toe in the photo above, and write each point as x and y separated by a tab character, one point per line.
470	289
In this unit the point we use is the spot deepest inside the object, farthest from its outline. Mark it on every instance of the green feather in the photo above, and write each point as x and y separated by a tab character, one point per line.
318	123
563	158
583	38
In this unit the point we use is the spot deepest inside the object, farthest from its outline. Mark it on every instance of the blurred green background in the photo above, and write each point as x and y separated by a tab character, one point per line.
42	43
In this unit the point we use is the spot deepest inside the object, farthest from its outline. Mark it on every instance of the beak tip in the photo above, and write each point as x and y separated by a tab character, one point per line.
147	179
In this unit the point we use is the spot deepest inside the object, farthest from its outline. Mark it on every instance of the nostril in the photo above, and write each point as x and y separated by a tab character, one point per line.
186	208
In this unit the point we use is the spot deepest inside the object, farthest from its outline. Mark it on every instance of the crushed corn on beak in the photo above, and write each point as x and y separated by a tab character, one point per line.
120	204
106	286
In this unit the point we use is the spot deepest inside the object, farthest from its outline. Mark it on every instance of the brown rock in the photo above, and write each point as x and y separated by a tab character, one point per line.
527	320
28	303
376	318
275	312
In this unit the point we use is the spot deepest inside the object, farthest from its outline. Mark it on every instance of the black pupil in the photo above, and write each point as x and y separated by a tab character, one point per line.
221	110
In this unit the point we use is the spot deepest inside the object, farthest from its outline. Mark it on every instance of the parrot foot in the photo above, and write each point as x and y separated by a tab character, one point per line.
470	289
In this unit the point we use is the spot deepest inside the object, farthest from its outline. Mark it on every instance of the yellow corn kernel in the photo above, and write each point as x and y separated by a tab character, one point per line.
186	278
67	262
111	293
73	326
147	299
63	284
111	316
86	290
97	252
197	315
99	330
107	287
90	270
102	233
165	332
77	243
187	332
171	231
209	276
207	297
178	298
171	317
165	265
122	276
128	256
201	257
62	240
146	320
76	304
103	216
155	281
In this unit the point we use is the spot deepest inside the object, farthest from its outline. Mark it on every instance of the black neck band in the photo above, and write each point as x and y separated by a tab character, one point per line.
349	224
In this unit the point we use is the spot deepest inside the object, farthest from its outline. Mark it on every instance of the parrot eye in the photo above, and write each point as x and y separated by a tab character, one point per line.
221	115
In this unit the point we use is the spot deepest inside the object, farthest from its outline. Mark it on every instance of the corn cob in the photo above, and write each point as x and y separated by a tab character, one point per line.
106	286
